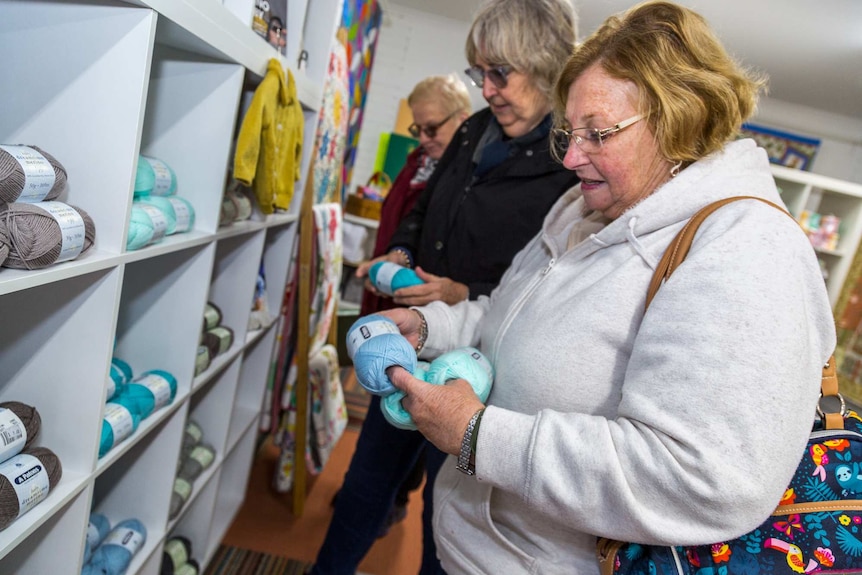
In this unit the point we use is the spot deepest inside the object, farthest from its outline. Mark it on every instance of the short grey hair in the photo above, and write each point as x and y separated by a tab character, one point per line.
448	90
535	37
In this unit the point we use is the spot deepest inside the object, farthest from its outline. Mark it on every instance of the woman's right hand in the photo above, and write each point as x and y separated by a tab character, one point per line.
409	323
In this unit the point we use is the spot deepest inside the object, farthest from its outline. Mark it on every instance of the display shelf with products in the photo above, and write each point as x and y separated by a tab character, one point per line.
805	193
121	79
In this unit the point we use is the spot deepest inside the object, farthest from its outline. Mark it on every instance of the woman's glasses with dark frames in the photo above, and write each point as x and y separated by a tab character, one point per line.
431	129
590	140
499	75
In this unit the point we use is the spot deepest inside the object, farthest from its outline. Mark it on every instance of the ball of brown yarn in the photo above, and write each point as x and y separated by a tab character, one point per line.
12	176
29	416
33	236
9	505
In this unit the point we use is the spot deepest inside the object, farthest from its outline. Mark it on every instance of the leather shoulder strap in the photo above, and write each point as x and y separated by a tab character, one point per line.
675	254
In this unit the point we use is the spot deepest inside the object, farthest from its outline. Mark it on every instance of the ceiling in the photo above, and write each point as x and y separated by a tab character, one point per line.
812	51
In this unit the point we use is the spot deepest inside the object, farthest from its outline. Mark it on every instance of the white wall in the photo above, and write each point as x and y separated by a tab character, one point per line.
415	44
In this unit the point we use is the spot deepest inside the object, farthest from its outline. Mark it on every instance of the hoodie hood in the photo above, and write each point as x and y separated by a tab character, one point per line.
741	168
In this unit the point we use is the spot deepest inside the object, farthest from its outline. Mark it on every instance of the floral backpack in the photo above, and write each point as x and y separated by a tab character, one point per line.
817	525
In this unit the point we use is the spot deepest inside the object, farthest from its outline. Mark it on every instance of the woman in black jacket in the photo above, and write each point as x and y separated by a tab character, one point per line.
486	199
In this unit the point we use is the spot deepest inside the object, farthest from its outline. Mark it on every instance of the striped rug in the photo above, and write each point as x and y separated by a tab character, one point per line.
236	561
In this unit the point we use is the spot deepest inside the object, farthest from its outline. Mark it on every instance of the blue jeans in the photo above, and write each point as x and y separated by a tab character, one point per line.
383	458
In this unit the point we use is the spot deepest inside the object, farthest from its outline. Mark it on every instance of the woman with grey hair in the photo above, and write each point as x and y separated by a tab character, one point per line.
487	197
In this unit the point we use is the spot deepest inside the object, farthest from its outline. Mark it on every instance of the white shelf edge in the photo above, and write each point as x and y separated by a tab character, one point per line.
817	180
367	222
143	430
69	487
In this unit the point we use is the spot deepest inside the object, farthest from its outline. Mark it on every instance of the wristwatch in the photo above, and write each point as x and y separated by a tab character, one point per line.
467	457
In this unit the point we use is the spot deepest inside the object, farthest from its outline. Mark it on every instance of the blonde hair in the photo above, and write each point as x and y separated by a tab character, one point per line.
447	90
532	36
696	95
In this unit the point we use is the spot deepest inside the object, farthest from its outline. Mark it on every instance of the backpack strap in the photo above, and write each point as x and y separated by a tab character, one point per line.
675	254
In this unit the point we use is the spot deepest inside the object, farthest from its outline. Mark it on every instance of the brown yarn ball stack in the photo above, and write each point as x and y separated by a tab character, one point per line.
9	506
12	176
29	416
33	236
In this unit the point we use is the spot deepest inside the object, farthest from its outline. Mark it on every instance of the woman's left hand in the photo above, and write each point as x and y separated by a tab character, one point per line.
441	412
435	288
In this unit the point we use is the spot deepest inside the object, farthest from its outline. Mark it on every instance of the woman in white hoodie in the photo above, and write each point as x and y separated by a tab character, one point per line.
605	420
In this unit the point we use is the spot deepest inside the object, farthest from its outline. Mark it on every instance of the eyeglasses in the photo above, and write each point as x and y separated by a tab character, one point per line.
590	140
499	76
431	129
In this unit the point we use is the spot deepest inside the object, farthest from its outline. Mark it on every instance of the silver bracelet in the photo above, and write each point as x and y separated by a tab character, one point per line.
423	332
467	457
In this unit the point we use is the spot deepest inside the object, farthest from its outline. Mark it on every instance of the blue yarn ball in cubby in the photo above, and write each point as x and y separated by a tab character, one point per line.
150	391
115	553
124	368
121	420
97	530
389	277
374	344
391	406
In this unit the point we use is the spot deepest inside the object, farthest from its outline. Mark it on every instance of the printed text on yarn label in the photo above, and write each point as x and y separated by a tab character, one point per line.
39	174
28	478
71	229
365	332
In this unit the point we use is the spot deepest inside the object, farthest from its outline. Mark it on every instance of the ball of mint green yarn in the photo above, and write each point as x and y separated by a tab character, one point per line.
164	176
132	416
463	363
166	207
140	229
145	177
391	406
147	392
184	214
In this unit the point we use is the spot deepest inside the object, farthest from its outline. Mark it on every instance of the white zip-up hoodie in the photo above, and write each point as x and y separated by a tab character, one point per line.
679	426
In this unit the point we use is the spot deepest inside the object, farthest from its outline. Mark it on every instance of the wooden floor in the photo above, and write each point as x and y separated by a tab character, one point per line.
266	523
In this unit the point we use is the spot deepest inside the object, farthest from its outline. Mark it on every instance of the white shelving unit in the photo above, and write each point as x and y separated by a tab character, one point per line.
806	191
96	82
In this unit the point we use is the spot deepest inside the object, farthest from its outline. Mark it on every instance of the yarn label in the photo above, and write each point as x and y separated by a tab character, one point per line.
184	215
203	455
126	538
356	337
163	177
160	222
119	418
13	434
29	478
183	488
93	535
158	386
71	229
39	177
177	552
385	275
194	431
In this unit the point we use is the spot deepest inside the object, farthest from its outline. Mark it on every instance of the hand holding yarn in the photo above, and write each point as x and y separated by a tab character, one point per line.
374	343
389	277
466	363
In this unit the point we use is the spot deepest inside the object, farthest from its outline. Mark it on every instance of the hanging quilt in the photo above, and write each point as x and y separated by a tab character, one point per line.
331	135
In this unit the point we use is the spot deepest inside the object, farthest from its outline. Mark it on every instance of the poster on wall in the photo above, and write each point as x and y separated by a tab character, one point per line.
270	22
783	148
361	19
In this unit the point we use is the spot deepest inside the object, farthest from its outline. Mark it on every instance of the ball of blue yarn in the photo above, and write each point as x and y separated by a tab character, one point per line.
391	406
121	420
389	277
115	553
166	207
145	177
184	213
150	391
97	530
374	344
140	229
124	368
463	363
165	180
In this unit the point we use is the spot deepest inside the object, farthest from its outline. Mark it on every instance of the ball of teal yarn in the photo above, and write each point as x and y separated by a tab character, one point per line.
115	554
121	420
150	391
391	406
140	229
184	212
145	177
165	179
389	277
124	368
166	207
375	344
463	363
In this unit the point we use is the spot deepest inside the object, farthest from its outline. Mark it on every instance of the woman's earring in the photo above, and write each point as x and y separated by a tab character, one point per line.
674	171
